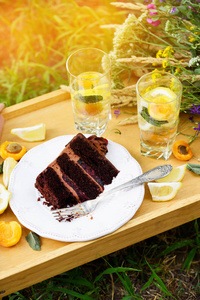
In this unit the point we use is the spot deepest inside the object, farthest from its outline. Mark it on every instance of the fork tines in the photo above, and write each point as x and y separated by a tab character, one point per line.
68	214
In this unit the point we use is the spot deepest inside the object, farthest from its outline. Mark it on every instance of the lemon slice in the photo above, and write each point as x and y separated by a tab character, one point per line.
143	124
4	198
98	90
31	134
160	92
8	166
88	79
175	175
164	191
161	107
87	92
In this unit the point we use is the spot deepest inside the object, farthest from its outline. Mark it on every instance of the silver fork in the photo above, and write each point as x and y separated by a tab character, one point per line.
87	207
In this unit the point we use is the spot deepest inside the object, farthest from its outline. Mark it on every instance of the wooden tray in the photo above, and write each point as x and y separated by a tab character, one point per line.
20	265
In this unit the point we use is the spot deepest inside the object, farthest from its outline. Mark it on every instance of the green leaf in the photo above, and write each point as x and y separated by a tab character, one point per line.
155	17
183	9
162	8
79	281
189	259
75	294
1	168
160	284
115	270
197	71
34	241
195	168
176	246
88	99
144	113
148	283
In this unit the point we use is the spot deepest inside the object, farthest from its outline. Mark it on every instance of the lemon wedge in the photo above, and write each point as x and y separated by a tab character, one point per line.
4	198
31	134
164	191
175	175
8	166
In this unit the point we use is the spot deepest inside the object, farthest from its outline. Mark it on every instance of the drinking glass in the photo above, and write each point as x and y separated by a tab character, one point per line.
158	103
89	71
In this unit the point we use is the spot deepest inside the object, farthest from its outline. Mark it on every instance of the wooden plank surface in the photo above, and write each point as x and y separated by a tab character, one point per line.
21	266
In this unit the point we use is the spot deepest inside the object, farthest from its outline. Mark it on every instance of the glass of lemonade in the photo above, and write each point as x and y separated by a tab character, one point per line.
89	72
158	102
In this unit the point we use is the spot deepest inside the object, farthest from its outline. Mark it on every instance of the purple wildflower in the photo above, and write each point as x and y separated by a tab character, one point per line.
197	128
191	119
195	110
173	10
117	112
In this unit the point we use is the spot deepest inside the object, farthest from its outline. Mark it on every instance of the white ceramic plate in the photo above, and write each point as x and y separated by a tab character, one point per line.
109	215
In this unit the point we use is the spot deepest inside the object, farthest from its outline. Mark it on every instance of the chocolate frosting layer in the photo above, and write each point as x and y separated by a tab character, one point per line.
99	143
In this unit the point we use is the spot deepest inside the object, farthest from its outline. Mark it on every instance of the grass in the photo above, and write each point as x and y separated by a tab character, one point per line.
162	267
36	39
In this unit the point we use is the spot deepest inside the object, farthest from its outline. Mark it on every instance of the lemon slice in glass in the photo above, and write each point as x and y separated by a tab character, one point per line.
143	124
88	79
161	106
164	191
4	198
31	134
8	166
159	92
175	175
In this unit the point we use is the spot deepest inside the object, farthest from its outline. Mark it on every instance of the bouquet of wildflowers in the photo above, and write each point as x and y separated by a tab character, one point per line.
162	35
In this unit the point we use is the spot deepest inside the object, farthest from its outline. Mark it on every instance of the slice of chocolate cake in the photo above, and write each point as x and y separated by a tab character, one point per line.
78	174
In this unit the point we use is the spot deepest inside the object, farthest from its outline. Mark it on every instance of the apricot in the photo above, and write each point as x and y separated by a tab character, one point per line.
10	233
182	150
89	109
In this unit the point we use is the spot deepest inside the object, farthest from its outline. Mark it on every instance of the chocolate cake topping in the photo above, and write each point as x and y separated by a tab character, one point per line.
99	143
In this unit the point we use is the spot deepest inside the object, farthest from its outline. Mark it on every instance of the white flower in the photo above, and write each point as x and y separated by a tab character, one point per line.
194	61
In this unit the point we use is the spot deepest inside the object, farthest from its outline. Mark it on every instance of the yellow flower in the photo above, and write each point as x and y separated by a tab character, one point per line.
164	63
168	52
192	39
155	75
177	70
159	54
151	87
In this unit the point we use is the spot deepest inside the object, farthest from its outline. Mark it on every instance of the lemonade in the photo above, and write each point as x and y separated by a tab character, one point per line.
158	113
90	85
91	102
